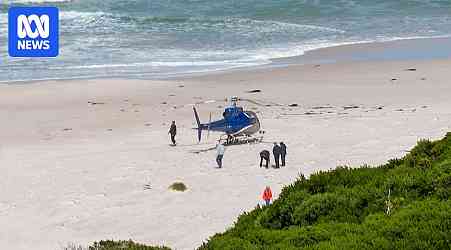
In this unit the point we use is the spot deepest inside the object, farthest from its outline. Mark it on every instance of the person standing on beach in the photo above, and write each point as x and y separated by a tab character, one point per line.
173	132
283	152
267	195
220	149
264	155
276	150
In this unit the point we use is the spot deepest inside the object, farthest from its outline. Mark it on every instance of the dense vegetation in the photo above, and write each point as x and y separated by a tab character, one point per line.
351	208
403	204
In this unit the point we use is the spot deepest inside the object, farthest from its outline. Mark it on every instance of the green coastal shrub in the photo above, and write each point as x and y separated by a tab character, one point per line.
349	208
178	186
122	245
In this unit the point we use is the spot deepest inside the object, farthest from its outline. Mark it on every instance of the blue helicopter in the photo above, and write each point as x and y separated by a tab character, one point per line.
236	123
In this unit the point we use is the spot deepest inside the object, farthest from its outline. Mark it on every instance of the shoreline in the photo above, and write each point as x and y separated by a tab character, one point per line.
424	48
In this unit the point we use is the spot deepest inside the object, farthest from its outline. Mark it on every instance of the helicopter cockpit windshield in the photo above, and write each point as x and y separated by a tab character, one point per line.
231	112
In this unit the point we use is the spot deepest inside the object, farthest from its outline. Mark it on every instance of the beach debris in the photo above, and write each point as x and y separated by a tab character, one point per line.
67	129
394	79
148	124
178	186
135	104
317	65
147	186
122	110
171	95
136	111
96	103
312	113
293	105
126	100
164	103
254	91
424	106
322	107
181	86
110	129
399	110
350	107
423	78
411	69
380	107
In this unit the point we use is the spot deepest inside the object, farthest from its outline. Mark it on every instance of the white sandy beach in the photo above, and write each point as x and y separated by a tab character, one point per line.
77	172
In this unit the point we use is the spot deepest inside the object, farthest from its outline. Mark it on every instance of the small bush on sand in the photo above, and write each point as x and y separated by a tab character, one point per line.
122	245
178	186
73	246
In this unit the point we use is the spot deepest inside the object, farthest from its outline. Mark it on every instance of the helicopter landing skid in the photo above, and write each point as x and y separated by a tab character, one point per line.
237	140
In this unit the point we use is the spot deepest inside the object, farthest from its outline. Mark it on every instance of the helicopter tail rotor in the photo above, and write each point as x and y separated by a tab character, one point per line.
199	125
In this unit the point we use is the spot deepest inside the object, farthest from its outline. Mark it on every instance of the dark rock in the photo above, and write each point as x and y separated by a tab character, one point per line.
311	113
411	69
293	105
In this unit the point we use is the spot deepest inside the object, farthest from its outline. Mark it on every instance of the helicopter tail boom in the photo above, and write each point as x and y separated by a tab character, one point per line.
199	125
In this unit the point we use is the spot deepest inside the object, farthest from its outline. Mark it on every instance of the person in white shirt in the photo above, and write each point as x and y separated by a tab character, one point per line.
220	149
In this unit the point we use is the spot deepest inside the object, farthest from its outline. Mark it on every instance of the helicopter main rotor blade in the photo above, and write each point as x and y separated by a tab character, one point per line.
260	103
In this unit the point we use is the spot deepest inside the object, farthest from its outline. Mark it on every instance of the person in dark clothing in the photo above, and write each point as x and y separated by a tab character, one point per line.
173	132
264	155
283	152
276	150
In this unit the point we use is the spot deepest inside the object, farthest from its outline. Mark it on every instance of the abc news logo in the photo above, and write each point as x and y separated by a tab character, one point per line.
33	31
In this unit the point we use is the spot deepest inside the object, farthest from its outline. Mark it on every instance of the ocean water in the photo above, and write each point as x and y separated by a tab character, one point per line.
160	38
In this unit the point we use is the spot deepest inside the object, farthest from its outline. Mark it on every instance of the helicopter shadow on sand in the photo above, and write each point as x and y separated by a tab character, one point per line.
235	143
